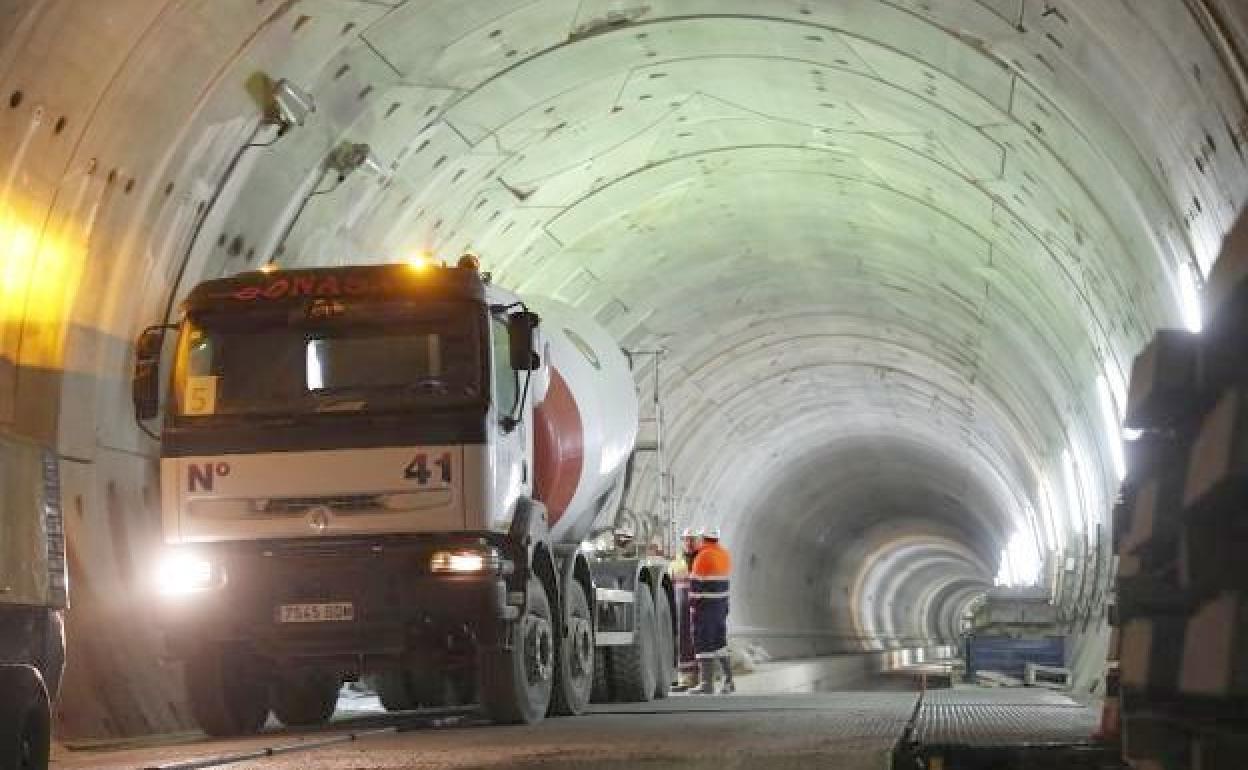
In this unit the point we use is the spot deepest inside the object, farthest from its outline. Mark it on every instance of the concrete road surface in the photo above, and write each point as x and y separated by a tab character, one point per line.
850	731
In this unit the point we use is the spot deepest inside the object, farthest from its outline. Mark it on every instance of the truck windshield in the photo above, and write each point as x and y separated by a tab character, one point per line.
390	359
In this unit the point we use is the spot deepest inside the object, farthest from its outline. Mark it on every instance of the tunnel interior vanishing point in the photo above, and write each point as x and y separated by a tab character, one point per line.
899	253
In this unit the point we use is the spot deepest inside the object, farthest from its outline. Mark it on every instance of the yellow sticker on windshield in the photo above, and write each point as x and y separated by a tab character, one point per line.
200	397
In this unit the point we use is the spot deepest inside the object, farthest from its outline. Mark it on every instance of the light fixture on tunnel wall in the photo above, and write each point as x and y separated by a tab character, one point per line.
289	105
1042	514
1020	562
346	158
1074	497
285	106
1113	426
350	156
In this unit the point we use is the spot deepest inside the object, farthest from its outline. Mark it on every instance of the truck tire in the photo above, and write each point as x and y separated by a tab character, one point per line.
228	697
633	667
574	670
34	746
51	661
305	698
25	719
516	684
665	656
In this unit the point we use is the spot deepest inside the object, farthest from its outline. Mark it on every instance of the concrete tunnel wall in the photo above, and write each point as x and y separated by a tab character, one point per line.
900	255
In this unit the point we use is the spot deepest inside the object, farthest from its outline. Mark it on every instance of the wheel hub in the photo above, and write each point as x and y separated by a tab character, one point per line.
582	647
539	650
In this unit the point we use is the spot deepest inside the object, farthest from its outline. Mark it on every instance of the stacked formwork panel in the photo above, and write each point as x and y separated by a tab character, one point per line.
1181	534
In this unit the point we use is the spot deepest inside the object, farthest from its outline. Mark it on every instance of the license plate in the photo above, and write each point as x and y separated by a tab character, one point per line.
315	613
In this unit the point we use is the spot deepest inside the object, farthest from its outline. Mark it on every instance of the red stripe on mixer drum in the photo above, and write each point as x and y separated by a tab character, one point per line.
559	447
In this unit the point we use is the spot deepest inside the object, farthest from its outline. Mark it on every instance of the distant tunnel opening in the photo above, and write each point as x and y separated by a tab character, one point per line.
872	532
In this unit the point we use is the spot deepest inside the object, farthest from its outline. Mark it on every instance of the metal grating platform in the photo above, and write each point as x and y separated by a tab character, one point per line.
1002	696
989	718
859	718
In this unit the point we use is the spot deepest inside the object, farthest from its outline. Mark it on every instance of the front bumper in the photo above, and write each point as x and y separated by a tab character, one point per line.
400	606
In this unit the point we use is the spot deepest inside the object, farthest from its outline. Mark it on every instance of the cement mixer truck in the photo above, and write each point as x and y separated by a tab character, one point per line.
386	473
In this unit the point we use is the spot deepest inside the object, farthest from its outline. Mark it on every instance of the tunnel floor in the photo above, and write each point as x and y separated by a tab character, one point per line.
848	729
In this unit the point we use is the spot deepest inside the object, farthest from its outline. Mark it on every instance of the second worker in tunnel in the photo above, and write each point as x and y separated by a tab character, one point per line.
708	596
687	664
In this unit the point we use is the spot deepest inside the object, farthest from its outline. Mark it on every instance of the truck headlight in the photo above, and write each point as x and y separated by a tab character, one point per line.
181	572
465	561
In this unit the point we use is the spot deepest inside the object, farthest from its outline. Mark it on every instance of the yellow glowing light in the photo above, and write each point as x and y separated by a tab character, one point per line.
41	265
17	255
268	268
420	261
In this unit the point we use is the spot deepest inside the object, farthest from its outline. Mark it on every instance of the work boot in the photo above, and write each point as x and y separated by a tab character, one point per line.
706	674
729	686
684	683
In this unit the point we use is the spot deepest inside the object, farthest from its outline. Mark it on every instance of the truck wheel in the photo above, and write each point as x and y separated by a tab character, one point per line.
574	672
305	698
227	696
25	719
664	658
632	667
29	748
516	684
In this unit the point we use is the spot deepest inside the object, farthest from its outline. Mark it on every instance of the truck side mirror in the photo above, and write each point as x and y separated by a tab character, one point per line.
520	331
146	383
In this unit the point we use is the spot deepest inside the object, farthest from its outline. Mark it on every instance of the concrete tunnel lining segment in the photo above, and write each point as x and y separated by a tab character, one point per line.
891	247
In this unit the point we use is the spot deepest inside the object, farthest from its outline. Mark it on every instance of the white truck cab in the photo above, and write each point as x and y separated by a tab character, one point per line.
386	471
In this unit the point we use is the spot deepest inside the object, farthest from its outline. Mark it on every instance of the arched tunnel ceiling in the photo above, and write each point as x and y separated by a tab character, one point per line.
899	254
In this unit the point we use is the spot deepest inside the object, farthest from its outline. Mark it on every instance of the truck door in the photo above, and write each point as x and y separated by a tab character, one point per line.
510	455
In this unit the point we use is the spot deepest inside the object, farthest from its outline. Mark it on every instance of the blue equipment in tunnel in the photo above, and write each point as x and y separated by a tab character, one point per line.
1009	655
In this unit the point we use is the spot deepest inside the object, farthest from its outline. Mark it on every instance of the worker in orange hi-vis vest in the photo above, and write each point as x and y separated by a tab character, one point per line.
680	568
708	595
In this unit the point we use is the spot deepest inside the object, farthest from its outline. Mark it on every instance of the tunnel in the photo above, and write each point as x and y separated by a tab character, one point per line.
897	257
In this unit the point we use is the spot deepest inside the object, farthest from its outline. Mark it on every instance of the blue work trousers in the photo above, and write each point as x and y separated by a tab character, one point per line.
710	627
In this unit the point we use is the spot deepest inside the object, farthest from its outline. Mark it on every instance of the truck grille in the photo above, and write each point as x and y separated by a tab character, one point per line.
298	506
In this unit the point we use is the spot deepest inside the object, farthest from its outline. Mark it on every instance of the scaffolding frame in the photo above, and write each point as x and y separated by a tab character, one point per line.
664	482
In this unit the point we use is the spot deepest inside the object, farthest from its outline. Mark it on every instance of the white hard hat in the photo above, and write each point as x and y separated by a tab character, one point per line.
711	533
625	530
690	532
